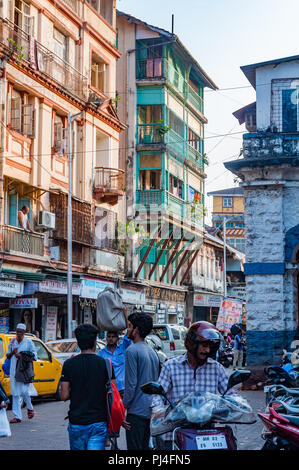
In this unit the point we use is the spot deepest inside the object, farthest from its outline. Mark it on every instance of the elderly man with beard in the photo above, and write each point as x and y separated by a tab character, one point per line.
19	390
195	371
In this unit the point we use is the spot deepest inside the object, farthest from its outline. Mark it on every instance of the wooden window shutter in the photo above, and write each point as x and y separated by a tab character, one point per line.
58	136
28	120
16	114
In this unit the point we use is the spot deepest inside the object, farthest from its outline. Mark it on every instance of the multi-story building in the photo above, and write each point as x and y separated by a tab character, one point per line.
58	59
270	173
229	204
161	91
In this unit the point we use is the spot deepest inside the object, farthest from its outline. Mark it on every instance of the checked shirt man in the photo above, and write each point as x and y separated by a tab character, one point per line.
194	371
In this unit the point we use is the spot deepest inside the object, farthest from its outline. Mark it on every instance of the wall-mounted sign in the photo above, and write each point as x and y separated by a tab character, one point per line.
58	287
23	303
91	287
51	324
132	295
230	313
207	300
11	288
238	292
4	320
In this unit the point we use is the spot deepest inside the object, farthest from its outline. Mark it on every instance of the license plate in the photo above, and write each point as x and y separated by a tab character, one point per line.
211	442
267	388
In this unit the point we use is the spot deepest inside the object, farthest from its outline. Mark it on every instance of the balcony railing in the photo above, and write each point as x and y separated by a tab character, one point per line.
109	180
41	59
151	198
161	68
150	134
195	157
21	241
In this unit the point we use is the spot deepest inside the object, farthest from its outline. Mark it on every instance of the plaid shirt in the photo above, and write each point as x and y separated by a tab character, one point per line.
179	379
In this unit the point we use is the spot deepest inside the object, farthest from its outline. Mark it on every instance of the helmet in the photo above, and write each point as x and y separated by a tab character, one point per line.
202	331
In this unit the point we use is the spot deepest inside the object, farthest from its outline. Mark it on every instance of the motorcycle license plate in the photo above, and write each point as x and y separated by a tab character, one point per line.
211	442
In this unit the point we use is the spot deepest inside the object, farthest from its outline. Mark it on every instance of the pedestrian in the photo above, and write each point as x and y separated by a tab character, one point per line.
141	366
19	390
238	350
116	353
23	219
83	382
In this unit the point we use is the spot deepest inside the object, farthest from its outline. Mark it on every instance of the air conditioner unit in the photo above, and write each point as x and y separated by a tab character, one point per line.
46	220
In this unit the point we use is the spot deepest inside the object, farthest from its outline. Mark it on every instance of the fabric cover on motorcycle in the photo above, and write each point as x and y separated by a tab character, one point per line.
110	315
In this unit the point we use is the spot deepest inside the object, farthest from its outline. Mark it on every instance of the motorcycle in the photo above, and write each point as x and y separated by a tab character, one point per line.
200	420
281	426
226	356
277	375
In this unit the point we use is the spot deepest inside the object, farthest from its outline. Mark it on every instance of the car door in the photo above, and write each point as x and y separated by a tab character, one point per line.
46	370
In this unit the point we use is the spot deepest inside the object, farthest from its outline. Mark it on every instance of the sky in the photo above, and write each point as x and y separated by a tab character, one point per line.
223	35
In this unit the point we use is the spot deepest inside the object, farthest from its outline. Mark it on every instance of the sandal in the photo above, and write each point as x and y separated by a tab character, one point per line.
30	414
15	420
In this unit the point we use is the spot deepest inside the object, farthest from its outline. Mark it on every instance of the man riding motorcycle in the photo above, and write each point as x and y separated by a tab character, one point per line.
195	371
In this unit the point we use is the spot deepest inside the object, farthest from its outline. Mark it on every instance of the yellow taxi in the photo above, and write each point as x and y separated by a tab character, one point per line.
47	369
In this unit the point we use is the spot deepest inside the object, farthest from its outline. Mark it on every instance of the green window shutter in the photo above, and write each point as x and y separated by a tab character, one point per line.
13	219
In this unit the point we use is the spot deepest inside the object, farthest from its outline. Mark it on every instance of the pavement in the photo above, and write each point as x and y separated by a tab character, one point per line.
48	429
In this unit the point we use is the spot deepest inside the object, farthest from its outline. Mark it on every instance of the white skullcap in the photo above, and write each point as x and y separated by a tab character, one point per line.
21	326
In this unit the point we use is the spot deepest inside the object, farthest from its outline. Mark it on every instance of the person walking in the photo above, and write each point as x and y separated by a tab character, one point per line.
238	350
116	353
141	366
83	382
19	390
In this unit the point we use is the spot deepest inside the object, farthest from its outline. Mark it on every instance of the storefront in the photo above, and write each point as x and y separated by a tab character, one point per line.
165	305
206	307
133	296
9	289
90	288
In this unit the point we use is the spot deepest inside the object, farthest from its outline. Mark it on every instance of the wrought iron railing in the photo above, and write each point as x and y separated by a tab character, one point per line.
109	179
22	241
26	48
151	198
150	134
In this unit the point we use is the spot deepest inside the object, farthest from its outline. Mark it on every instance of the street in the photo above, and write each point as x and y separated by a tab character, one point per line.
48	429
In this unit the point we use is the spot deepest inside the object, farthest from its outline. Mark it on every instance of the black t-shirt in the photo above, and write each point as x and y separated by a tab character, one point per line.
88	376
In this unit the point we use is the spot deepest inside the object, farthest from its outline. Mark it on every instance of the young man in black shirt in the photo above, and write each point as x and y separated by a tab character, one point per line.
83	381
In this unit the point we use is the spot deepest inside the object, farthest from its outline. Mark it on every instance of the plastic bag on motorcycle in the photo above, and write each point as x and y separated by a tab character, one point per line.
201	409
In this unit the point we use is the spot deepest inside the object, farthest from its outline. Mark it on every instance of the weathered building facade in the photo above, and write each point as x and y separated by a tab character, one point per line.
58	59
270	173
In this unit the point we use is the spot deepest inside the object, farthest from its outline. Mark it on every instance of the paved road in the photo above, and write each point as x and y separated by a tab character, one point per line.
48	429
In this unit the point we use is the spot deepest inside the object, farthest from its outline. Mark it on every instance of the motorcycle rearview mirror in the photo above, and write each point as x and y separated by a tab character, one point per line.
154	388
236	378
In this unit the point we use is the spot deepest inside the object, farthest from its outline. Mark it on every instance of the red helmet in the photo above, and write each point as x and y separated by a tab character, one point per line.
202	331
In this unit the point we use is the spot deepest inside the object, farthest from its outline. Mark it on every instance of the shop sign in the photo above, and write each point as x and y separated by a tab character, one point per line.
11	288
150	306
58	287
230	313
90	288
131	295
161	313
4	320
23	303
51	323
239	292
30	287
164	295
205	300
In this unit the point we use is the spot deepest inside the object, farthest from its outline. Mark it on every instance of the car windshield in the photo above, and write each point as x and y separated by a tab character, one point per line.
63	347
161	332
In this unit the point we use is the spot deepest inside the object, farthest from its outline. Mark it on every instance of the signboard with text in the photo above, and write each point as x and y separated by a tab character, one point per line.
58	287
23	303
51	323
11	288
92	287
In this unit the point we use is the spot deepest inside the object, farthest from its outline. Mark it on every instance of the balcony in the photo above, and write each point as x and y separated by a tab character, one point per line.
195	157
20	241
109	184
150	199
42	60
150	134
160	69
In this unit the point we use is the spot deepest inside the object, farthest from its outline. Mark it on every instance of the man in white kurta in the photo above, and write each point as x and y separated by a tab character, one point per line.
19	390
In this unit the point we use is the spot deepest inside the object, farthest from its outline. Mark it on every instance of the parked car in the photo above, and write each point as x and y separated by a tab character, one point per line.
172	337
47	368
63	349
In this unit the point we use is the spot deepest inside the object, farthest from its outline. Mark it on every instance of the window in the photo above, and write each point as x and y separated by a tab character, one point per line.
99	74
149	179
22	17
227	202
22	114
176	186
105	228
176	123
239	225
238	243
194	140
149	114
175	333
59	135
59	44
41	351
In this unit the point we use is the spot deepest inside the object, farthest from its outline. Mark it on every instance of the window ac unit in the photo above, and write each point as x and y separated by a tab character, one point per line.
46	220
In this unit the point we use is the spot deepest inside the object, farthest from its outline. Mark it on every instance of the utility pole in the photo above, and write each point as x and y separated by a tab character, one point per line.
224	257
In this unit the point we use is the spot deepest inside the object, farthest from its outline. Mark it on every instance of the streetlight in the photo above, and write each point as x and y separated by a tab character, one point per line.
71	119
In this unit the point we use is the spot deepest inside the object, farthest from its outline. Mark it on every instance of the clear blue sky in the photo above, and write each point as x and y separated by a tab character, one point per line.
223	35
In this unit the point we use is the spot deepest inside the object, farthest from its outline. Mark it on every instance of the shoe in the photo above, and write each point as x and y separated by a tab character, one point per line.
30	414
15	420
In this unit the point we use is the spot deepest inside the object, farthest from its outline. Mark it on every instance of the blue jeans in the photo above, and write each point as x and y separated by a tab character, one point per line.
89	437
